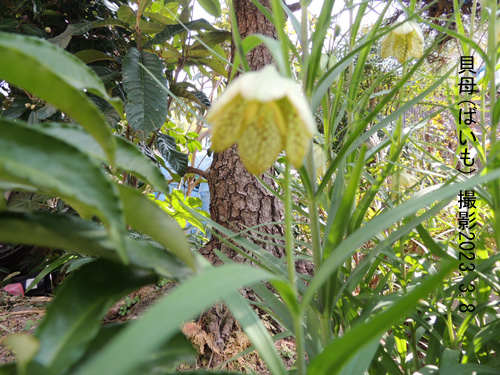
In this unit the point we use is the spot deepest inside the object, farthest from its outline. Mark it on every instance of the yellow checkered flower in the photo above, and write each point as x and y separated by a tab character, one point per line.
403	42
264	113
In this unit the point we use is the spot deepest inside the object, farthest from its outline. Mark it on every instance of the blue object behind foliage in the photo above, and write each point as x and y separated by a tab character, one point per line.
200	191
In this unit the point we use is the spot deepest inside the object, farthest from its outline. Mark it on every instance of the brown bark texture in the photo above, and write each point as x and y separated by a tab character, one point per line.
237	199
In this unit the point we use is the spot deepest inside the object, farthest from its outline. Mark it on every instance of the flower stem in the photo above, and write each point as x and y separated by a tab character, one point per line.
297	317
288	228
299	345
279	23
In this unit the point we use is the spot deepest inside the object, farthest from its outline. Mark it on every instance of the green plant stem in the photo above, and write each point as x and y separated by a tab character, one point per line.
299	345
288	229
491	70
400	125
492	53
350	111
414	346
312	203
279	23
304	40
297	319
237	37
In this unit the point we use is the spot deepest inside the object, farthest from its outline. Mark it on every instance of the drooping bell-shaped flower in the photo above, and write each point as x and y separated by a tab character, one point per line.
403	42
264	113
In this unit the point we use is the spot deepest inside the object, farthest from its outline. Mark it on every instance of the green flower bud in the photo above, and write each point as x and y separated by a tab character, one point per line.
264	113
337	31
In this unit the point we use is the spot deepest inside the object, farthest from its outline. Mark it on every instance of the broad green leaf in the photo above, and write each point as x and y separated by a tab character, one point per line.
182	92
360	362
85	237
91	55
57	60
128	157
62	40
9	24
149	27
165	358
57	77
126	14
146	105
146	217
16	109
172	30
131	347
8	369
143	5
212	7
158	18
32	158
210	39
74	316
24	347
193	54
168	356
167	147
213	63
339	351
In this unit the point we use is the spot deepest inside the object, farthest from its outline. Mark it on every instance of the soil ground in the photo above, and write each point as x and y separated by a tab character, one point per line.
22	314
18	315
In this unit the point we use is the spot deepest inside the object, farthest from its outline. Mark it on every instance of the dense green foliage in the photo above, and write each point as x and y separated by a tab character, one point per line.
386	291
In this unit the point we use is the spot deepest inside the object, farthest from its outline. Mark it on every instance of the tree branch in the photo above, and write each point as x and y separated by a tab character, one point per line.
294	7
197	171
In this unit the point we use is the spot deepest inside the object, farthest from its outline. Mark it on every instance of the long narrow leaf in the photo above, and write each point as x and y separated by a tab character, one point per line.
129	349
145	216
128	157
32	158
85	237
74	317
340	350
382	222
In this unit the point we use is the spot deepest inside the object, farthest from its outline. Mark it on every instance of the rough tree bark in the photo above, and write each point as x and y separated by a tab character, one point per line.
237	199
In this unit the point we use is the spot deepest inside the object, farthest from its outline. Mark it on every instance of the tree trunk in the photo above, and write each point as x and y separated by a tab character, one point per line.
237	199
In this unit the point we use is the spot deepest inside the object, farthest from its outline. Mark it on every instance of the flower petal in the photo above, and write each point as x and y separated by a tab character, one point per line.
404	28
298	137
260	141
401	48
388	45
403	42
264	85
416	44
227	123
